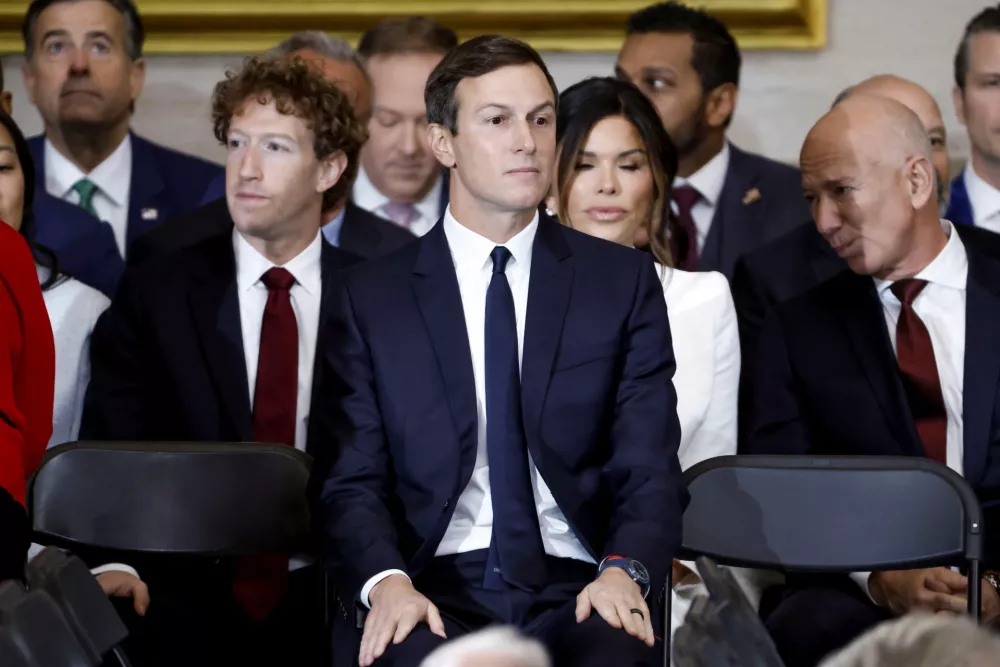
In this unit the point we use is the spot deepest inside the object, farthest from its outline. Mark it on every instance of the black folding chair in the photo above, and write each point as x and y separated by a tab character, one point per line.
86	608
830	515
38	630
199	499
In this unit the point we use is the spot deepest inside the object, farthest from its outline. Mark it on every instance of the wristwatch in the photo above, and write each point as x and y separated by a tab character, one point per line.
632	568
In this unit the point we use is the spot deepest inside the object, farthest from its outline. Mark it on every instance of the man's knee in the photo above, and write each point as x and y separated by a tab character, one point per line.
810	623
594	643
412	650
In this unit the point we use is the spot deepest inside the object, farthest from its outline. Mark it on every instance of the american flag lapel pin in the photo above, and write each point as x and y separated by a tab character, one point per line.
149	214
752	195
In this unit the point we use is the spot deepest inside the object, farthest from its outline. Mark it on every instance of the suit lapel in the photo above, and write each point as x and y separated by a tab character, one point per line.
860	313
959	206
357	236
731	231
440	302
982	361
548	297
215	308
145	205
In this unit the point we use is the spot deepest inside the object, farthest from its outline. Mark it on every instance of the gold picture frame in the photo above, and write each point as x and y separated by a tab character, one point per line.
247	26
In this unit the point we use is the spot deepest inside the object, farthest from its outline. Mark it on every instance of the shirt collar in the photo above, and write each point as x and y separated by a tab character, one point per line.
113	177
367	196
471	252
331	230
251	265
710	179
949	269
985	199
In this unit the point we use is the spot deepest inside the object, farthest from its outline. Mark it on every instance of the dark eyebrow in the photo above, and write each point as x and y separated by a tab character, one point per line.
623	154
507	109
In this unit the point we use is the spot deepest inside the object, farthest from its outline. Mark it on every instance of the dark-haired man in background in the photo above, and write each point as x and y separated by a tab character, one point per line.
727	201
500	395
975	193
84	70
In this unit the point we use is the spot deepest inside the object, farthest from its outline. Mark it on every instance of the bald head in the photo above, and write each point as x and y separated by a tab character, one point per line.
867	173
920	102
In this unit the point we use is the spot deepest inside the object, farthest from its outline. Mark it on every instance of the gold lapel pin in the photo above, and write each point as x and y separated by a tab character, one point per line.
752	195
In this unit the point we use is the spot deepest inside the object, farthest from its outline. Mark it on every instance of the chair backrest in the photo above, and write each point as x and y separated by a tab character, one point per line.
831	514
38	628
84	605
210	499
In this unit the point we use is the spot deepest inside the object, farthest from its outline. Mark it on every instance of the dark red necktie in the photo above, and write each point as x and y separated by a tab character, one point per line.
684	240
261	581
919	372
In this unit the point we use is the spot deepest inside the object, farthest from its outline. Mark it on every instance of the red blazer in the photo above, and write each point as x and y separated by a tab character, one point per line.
27	366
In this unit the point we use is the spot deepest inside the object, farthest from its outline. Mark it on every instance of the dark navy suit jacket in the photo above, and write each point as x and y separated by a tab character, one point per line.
827	380
400	404
761	200
959	205
165	183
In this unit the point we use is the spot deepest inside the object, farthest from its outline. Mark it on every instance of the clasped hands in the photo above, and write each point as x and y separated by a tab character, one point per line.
936	589
397	607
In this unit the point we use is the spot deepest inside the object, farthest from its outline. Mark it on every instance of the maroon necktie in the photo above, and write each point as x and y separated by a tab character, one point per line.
919	372
684	240
261	581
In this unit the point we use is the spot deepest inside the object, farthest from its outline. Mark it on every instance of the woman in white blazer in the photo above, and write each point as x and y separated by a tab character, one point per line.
615	164
73	307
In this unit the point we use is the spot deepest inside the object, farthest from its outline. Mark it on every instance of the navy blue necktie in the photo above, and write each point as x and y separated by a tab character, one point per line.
517	557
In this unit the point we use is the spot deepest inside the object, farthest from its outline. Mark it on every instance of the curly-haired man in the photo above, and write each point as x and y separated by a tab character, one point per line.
216	343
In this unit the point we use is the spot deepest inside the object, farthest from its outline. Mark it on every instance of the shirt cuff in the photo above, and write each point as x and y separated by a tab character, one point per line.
861	579
115	567
370	584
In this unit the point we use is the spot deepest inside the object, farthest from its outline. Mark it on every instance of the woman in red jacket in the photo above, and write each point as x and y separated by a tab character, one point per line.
27	375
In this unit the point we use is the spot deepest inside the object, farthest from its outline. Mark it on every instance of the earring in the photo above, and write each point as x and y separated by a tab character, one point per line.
550	212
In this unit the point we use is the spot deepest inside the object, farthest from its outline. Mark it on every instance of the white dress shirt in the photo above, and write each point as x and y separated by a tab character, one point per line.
113	179
471	525
305	295
984	199
370	198
73	311
941	307
709	181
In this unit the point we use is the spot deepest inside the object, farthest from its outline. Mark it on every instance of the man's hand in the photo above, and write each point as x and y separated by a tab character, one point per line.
958	586
397	607
613	595
123	585
932	589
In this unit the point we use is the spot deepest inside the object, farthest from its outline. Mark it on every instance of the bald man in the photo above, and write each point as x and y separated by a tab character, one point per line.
801	258
913	285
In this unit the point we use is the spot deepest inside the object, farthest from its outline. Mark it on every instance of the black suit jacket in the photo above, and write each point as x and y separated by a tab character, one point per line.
761	200
167	359
362	233
598	403
792	265
827	380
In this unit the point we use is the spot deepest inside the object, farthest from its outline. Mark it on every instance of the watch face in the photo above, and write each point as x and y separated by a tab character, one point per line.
638	571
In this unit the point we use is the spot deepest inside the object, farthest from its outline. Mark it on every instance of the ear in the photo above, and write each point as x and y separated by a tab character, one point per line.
921	181
442	144
137	78
6	102
958	99
720	105
330	171
28	75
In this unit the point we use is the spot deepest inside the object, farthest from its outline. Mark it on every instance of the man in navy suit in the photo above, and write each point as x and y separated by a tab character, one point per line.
801	259
499	402
726	200
895	357
345	225
220	342
84	70
975	192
